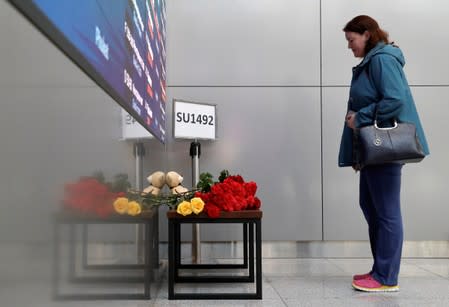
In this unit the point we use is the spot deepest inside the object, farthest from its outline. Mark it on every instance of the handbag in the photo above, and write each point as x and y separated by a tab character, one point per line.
397	144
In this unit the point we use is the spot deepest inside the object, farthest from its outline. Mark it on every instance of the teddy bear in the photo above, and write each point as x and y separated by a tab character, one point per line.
174	180
157	181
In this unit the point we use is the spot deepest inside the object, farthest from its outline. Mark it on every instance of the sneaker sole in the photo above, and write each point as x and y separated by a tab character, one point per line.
380	289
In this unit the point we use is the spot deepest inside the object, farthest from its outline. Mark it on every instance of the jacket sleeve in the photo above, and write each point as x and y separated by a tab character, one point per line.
388	78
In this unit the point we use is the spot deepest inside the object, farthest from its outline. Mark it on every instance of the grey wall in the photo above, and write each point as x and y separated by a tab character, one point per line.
278	71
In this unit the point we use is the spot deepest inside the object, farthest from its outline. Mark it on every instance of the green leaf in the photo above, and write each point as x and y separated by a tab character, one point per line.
99	176
205	183
223	175
120	183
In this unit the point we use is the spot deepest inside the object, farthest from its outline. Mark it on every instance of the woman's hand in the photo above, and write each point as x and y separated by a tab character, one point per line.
350	119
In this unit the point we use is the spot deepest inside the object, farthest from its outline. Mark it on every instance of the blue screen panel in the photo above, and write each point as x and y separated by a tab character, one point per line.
120	44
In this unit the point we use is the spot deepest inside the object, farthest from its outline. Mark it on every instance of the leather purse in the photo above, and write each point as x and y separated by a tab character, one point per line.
397	144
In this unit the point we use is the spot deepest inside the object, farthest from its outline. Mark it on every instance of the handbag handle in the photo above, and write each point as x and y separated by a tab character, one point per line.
395	125
386	128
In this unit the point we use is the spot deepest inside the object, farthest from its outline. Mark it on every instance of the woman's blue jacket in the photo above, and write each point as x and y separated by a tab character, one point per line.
379	82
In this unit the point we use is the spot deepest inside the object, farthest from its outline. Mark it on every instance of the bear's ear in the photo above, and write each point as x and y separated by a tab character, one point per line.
149	178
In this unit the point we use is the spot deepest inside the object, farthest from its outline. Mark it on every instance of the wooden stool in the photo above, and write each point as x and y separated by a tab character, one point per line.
151	255
250	219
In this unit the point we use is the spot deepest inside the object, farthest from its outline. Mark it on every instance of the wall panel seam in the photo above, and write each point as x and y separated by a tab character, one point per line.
321	120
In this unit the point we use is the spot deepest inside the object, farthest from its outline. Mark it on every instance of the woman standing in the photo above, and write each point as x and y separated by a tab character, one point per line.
378	86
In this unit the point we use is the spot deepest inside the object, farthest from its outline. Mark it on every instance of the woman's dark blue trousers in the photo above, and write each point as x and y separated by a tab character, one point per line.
380	189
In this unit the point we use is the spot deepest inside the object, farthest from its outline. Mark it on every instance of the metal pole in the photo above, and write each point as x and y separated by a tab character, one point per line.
139	153
195	152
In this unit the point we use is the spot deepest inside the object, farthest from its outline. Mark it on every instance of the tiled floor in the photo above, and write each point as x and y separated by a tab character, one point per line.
286	282
327	282
297	282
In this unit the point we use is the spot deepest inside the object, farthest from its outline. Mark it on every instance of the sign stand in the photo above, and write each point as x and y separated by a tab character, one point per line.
132	130
197	121
139	154
195	152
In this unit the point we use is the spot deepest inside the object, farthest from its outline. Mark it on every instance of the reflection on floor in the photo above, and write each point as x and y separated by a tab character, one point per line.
286	282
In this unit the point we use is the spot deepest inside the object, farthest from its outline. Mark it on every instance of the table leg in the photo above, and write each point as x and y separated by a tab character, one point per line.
148	266
245	245
251	251
259	259
172	263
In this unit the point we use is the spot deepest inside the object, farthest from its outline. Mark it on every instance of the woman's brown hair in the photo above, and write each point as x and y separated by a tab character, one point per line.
362	23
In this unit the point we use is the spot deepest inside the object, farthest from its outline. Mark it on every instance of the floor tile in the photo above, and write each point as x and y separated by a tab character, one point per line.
286	282
295	267
227	303
438	267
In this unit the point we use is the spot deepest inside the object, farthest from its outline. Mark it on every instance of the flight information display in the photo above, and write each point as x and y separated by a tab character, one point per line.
120	44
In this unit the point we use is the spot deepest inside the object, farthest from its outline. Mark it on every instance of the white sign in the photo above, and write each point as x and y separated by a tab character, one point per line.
132	129
192	120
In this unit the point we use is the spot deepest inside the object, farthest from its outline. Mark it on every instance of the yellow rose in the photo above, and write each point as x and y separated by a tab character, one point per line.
134	208
197	205
121	205
184	208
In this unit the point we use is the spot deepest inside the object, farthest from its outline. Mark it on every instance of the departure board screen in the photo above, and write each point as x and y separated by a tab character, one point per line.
120	44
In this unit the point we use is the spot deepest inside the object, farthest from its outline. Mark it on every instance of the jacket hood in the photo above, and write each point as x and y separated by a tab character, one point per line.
382	48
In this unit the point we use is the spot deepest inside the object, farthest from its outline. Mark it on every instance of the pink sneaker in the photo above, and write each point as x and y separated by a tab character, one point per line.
362	276
369	284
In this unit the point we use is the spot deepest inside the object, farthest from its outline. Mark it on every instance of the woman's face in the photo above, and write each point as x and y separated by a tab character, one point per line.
357	42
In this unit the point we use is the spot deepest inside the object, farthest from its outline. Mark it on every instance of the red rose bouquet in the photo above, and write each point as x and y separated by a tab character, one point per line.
92	195
230	193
